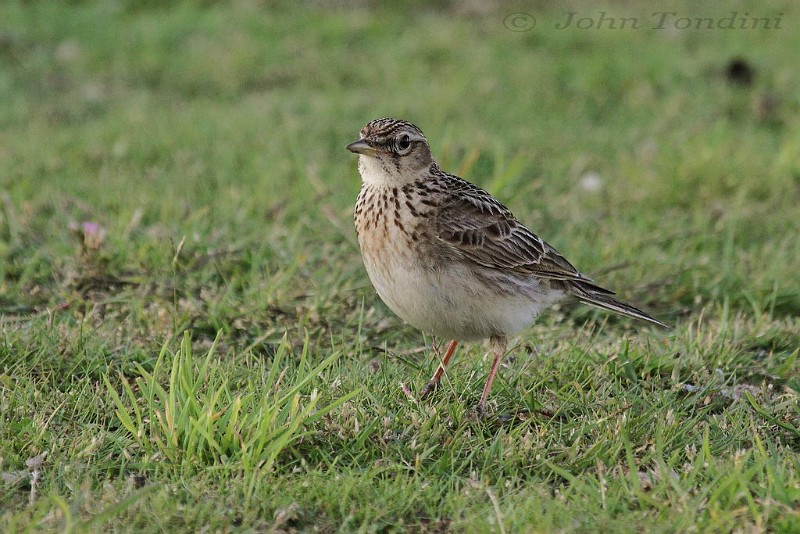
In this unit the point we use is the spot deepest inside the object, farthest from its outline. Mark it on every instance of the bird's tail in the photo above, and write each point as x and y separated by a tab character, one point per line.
603	298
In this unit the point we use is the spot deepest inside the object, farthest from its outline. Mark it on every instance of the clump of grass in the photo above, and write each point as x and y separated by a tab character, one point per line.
200	417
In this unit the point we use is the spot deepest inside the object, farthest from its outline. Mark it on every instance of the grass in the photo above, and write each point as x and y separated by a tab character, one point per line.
189	339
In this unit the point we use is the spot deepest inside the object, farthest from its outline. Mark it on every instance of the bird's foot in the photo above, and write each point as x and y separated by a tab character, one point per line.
429	387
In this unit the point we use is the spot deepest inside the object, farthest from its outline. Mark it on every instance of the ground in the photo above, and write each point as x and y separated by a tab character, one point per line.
190	341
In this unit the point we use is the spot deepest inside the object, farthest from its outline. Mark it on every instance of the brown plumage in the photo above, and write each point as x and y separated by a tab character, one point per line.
450	259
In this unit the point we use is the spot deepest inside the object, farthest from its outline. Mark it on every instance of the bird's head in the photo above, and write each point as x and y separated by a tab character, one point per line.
391	151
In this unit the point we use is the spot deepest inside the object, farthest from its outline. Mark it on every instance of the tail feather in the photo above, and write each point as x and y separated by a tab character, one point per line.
603	299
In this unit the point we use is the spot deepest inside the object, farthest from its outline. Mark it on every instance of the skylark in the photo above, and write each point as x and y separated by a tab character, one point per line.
450	259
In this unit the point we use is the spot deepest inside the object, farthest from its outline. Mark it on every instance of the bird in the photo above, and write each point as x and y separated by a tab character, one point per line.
450	259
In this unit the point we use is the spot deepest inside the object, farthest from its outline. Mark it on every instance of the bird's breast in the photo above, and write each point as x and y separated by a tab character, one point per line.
421	278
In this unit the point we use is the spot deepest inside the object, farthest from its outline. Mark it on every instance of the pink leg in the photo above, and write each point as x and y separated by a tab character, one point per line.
437	376
498	350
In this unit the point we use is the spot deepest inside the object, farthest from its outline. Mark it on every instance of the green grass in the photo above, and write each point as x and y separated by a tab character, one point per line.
207	352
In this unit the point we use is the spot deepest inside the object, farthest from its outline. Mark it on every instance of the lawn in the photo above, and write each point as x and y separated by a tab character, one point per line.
189	340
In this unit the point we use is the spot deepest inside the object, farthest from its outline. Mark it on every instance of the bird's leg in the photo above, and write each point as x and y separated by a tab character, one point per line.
437	376
498	350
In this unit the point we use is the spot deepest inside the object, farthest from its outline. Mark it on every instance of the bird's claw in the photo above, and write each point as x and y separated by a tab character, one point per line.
428	388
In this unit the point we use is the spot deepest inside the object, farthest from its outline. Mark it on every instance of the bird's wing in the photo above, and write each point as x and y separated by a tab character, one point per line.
481	229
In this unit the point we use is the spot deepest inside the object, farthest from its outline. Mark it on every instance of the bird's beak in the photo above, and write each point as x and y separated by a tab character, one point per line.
362	147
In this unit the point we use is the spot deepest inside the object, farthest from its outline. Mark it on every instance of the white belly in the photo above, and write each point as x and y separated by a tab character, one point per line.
451	301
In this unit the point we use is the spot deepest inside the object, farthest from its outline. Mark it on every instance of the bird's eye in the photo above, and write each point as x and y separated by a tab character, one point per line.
403	142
